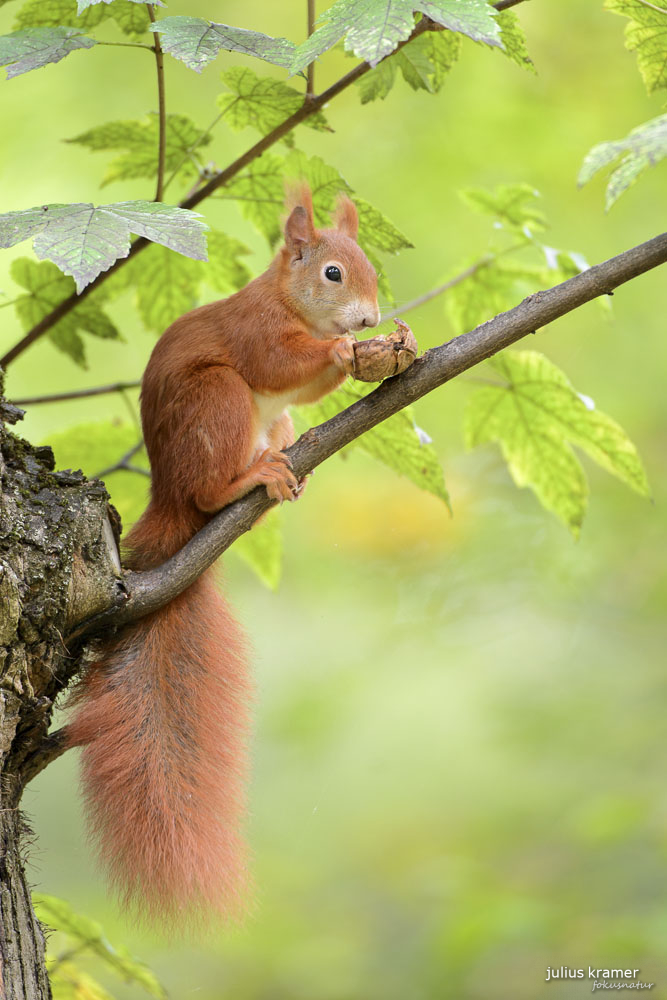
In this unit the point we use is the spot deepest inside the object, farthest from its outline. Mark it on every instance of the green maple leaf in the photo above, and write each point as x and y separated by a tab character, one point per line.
646	34
86	934
514	39
54	13
47	287
131	17
397	442
535	415
262	102
84	241
167	284
643	147
373	28
261	549
83	4
140	142
513	205
196	42
32	48
260	193
424	63
494	286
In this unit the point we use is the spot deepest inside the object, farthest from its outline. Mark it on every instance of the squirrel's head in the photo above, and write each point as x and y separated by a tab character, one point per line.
329	282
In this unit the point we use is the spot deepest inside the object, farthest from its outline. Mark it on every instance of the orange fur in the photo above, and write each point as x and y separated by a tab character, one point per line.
162	717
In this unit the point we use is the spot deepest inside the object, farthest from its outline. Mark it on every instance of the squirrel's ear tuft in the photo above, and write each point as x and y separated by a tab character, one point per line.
300	226
346	217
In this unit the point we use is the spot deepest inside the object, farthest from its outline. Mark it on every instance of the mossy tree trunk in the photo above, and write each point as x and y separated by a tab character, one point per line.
57	556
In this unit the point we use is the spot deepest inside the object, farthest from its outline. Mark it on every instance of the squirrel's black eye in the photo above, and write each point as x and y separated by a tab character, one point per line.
333	273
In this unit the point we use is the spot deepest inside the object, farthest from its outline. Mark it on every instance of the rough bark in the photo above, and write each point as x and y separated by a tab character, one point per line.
56	544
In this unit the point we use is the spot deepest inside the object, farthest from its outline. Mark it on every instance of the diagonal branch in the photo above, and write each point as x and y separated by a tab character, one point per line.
149	590
308	108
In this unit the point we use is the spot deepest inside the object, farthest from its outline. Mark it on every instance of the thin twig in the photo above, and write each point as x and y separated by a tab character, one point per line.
190	150
660	10
162	144
308	108
452	282
151	589
124	464
59	397
310	72
427	296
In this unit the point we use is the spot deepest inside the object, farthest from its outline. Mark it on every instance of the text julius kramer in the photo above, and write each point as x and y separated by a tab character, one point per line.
603	977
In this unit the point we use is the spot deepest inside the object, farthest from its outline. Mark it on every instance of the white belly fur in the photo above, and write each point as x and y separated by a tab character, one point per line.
267	410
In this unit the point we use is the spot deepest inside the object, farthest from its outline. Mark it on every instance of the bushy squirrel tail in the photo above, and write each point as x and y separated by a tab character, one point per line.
162	718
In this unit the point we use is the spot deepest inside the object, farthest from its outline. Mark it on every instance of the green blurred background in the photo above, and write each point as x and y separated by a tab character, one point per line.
459	756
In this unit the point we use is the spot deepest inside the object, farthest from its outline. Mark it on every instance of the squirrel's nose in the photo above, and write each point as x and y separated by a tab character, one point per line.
371	318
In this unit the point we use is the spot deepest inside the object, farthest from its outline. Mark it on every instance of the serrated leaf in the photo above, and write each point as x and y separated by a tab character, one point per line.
376	229
396	442
325	182
373	28
167	284
140	140
643	147
513	205
69	982
48	287
494	286
196	42
84	241
514	39
424	63
132	17
646	34
225	270
88	934
261	102
260	192
535	416
52	13
83	4
384	288
261	549
32	48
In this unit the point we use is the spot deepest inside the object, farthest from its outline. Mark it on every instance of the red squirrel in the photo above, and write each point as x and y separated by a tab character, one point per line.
162	716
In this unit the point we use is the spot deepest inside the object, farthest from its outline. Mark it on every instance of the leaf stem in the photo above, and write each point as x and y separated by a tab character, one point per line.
162	146
310	77
308	108
127	45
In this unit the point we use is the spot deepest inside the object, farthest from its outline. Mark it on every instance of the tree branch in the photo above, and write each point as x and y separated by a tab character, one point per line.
162	110
59	397
308	108
149	590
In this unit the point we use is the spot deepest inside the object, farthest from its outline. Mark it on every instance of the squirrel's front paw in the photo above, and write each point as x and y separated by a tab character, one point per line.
273	470
343	354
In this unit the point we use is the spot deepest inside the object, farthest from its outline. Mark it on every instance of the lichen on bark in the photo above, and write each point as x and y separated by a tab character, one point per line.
57	562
